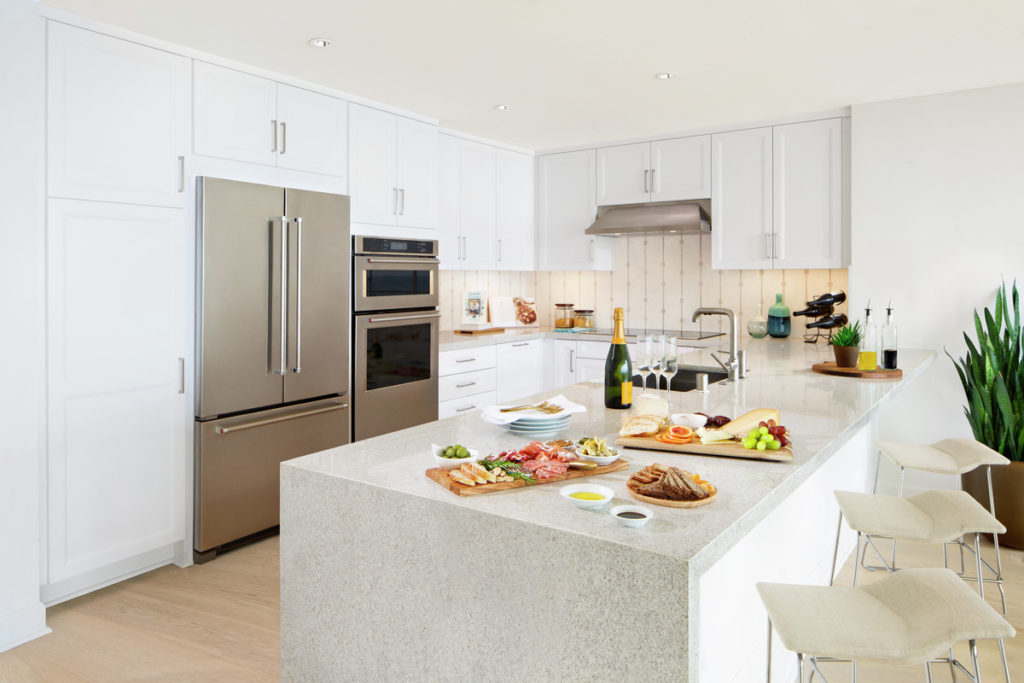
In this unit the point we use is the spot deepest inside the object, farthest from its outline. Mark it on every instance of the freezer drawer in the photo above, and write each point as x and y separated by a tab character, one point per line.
237	480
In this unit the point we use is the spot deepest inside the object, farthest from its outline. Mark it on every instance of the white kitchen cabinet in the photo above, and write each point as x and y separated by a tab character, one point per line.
741	199
449	227
514	205
243	117
392	165
566	207
808	189
590	370
563	363
118	427
520	369
659	171
467	380
460	406
477	204
117	119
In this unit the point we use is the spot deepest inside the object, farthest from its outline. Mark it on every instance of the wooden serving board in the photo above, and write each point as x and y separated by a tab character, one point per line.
440	475
485	330
831	368
730	450
673	503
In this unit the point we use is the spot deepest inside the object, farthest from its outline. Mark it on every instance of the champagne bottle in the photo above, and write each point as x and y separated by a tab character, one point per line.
829	321
618	369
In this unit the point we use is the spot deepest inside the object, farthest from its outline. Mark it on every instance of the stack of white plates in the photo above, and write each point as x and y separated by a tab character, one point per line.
539	427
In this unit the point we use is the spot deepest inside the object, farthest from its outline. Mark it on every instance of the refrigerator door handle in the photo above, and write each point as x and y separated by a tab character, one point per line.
278	329
296	300
280	418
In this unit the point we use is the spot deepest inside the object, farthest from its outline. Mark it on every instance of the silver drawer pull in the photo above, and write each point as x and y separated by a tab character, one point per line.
465	360
280	418
423	261
467	384
522	344
462	410
403	317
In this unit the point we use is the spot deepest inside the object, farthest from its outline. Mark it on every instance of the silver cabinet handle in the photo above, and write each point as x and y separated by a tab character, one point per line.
652	181
280	418
522	344
572	360
645	180
273	126
416	261
776	247
465	360
767	246
298	296
181	174
467	384
403	317
394	201
591	248
499	250
278	341
401	196
462	410
284	137
181	375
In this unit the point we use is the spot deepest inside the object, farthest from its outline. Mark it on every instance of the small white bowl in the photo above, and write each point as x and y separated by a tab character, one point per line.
691	420
600	460
624	521
603	491
452	463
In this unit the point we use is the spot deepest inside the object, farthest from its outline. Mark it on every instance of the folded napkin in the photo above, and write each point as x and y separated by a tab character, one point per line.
494	415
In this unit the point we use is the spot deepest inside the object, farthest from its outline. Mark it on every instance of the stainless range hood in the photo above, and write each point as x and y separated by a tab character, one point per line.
689	217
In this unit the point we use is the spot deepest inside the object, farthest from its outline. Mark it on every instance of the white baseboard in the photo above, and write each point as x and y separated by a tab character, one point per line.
23	625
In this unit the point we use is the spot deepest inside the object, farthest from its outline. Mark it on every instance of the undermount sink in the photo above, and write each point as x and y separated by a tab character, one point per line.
685	380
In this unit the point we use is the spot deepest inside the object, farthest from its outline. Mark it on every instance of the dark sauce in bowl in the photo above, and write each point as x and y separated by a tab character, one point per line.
629	514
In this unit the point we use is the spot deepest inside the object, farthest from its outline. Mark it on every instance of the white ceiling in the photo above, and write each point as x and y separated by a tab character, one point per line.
581	71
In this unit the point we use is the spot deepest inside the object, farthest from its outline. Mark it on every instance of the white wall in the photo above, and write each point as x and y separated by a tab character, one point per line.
22	334
938	220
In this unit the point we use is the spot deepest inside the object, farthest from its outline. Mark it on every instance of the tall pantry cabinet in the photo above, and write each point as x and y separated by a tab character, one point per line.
118	274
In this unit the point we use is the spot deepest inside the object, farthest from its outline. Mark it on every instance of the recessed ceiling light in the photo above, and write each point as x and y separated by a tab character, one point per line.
503	107
320	42
665	75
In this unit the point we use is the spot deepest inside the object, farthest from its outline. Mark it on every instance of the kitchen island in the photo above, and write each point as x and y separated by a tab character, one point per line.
386	575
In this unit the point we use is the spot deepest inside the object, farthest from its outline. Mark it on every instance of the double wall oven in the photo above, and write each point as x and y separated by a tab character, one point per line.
395	329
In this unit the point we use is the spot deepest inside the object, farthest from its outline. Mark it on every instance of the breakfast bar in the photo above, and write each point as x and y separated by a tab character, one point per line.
385	575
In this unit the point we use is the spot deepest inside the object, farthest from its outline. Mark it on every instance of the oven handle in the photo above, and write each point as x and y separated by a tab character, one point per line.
403	317
414	261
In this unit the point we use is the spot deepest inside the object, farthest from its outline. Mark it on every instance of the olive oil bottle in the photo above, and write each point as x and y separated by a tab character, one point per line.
618	369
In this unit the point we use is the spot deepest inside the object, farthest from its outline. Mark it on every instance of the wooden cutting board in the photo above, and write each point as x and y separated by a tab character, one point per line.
831	368
731	450
440	475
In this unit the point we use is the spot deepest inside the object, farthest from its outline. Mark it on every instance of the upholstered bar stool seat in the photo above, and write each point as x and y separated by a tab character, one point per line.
930	517
910	617
951	456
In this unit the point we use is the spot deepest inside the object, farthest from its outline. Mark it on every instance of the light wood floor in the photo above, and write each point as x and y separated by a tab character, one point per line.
220	622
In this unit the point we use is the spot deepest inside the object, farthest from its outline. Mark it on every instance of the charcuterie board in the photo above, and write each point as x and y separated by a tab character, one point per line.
728	450
831	368
440	475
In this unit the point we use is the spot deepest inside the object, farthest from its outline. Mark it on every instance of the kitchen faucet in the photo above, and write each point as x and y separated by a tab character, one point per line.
733	365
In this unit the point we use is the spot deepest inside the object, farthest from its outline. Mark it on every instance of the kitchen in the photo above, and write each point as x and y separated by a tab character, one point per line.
939	259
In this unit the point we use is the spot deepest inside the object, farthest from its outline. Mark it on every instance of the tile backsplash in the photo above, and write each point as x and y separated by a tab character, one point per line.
658	279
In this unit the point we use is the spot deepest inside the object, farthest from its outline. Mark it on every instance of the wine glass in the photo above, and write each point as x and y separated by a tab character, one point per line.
657	347
670	363
645	349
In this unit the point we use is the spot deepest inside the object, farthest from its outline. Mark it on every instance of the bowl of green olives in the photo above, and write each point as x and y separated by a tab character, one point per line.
450	457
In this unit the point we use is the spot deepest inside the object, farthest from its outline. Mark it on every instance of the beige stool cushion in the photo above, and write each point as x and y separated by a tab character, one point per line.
929	517
952	456
905	618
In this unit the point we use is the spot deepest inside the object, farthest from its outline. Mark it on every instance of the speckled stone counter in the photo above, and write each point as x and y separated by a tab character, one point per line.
388	576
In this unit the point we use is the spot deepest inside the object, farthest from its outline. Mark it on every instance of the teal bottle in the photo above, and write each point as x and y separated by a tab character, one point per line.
778	318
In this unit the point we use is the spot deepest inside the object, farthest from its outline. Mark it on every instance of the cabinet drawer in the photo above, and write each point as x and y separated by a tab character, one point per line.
465	360
592	349
465	384
461	406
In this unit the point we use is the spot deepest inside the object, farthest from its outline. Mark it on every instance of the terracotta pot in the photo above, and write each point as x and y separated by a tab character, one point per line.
1008	488
846	356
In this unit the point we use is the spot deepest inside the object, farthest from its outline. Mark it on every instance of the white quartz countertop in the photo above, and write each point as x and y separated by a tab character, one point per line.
821	412
449	340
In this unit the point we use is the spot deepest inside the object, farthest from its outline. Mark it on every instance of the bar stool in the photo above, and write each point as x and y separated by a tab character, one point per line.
910	617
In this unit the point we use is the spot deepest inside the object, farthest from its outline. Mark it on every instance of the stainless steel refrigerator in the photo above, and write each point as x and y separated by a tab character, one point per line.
272	348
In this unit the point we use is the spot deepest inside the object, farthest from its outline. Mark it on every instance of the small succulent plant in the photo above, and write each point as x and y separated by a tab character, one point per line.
847	335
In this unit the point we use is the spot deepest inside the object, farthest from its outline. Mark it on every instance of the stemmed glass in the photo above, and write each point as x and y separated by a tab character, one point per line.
657	347
645	350
670	363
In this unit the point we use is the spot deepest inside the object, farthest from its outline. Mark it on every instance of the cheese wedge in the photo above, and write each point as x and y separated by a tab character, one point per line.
712	437
744	423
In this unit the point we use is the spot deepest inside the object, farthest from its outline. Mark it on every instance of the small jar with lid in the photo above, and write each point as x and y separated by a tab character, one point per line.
563	316
583	319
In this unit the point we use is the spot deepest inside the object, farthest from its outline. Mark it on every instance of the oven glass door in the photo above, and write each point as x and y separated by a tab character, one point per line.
389	283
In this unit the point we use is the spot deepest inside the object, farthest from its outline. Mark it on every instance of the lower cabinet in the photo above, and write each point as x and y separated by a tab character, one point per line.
466	382
458	406
520	369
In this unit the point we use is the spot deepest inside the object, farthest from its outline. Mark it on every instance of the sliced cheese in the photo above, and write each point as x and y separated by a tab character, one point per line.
744	423
710	437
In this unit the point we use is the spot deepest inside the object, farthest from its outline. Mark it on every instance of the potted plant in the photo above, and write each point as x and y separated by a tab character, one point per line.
992	374
846	345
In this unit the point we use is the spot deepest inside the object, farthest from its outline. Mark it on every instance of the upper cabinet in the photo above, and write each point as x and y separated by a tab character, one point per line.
566	207
393	167
514	202
660	171
246	118
467	204
779	198
117	119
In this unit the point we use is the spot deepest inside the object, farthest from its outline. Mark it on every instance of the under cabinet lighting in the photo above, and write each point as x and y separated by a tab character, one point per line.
320	42
665	75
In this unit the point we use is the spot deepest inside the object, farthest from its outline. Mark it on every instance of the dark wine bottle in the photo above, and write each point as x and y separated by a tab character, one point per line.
815	311
618	369
829	321
832	298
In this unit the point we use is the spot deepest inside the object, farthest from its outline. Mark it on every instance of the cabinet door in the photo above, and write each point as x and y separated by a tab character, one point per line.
624	174
235	115
313	132
808	160
564	363
373	181
118	423
514	227
476	182
417	170
681	169
117	118
590	370
520	369
741	199
449	238
565	209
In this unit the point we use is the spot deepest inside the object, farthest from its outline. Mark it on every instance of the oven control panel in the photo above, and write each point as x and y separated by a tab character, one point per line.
386	245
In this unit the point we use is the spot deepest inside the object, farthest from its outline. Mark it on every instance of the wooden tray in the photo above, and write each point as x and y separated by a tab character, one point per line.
630	483
486	330
831	368
440	475
731	450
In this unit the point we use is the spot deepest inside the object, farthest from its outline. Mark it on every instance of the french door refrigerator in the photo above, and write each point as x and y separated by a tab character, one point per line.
272	348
